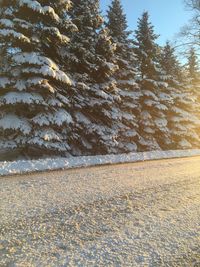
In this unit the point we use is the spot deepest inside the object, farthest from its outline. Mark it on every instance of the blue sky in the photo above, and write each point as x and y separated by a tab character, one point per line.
166	15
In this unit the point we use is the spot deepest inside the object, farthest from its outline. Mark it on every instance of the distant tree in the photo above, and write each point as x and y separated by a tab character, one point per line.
93	66
125	77
33	109
169	61
193	83
153	121
192	64
182	121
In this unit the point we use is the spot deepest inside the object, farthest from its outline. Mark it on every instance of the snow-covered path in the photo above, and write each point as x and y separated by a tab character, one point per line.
141	214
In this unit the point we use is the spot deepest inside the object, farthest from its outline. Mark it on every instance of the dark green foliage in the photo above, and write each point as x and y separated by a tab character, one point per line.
117	22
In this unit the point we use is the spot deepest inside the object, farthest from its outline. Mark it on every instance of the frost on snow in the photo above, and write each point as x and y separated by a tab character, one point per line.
27	166
11	121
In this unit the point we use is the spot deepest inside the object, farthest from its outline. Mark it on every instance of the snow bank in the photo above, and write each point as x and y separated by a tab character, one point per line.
28	166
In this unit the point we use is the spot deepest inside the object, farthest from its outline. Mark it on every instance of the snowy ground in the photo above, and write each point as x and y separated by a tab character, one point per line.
145	214
27	166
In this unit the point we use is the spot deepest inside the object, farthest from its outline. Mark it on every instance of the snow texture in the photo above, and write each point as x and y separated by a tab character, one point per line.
28	166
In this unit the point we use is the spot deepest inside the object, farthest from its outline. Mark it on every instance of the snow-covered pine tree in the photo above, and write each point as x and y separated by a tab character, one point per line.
153	121
125	77
117	22
193	84
33	109
92	68
181	120
193	65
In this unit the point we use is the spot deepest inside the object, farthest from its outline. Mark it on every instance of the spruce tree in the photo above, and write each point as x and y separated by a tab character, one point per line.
153	122
193	84
33	110
192	65
125	77
93	65
181	120
117	22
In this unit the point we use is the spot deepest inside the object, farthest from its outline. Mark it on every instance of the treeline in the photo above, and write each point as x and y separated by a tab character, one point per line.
75	83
